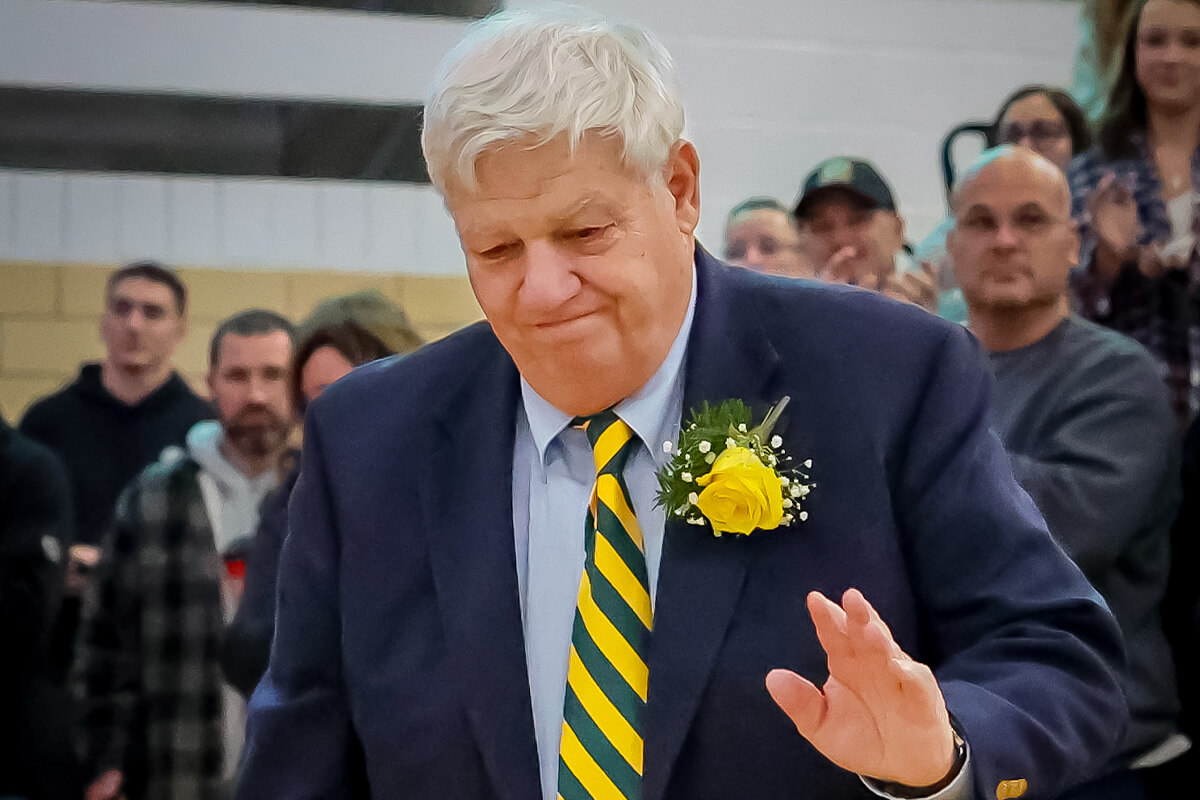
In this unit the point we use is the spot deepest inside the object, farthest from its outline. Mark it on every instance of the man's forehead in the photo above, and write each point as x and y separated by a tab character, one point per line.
273	347
139	289
478	220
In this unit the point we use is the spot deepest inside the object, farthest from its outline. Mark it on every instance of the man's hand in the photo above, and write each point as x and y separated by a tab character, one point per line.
106	787
840	268
880	714
918	288
83	559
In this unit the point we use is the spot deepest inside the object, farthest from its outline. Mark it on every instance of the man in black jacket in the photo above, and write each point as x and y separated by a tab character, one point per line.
36	759
118	415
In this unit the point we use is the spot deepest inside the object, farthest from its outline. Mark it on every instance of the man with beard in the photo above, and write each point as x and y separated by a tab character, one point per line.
157	718
1087	424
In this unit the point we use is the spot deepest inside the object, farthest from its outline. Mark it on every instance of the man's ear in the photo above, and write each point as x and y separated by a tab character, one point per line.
682	173
1075	243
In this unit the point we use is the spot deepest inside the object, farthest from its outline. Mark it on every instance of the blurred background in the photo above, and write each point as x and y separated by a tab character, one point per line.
271	150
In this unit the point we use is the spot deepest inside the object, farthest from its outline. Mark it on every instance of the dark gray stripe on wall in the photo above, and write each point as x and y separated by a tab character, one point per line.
441	8
190	135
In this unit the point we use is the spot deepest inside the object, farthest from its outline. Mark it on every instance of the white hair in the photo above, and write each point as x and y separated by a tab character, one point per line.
529	77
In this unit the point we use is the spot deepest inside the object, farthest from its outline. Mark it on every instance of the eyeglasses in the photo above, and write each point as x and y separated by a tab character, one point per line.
1041	131
766	245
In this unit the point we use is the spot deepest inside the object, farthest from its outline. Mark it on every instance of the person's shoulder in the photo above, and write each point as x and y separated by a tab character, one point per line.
1109	356
25	458
49	408
187	401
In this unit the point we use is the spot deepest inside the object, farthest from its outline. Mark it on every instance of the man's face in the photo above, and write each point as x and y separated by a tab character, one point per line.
582	265
766	240
853	242
249	384
1013	242
141	326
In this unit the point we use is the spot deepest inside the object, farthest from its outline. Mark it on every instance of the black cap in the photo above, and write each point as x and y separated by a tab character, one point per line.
853	175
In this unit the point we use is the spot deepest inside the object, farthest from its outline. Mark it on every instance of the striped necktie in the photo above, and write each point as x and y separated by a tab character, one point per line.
600	753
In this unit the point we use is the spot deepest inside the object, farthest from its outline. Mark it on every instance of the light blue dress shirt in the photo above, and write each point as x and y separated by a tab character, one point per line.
553	473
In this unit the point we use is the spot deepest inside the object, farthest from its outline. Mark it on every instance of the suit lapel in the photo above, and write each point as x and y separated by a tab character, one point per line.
701	576
467	502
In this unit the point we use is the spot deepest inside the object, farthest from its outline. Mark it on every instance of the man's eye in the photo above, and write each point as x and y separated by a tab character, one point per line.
496	253
735	252
980	224
1031	220
590	233
152	312
122	308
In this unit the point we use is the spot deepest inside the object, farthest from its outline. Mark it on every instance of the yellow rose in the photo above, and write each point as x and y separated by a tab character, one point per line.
740	493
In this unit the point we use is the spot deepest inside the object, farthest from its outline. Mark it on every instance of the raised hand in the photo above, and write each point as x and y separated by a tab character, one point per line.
880	714
918	288
1114	216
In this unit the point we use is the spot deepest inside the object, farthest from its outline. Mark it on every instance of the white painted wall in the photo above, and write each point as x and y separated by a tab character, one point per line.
772	87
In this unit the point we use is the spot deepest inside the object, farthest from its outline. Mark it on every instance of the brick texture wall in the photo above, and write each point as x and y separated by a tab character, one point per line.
49	315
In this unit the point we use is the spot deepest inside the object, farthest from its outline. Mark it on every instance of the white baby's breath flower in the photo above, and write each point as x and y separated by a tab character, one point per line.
693	498
668	447
787	503
796	491
742	427
772	460
777	441
686	477
808	464
784	480
695	520
710	458
787	519
803	516
730	442
704	446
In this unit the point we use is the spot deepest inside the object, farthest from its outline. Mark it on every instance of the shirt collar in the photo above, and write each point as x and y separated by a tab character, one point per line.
652	411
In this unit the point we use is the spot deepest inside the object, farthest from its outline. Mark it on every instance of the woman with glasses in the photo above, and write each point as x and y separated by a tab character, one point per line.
1135	196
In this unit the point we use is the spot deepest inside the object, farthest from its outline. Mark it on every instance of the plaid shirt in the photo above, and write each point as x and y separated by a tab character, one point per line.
1161	313
148	669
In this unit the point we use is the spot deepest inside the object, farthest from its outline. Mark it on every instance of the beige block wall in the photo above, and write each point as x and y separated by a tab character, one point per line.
49	315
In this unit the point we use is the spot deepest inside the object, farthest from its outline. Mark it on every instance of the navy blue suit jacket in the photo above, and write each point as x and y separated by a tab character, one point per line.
399	644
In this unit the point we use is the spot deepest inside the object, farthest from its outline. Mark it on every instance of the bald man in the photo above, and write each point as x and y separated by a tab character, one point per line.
1084	415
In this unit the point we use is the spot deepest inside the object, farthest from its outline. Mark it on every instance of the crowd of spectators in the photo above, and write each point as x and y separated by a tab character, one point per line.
141	525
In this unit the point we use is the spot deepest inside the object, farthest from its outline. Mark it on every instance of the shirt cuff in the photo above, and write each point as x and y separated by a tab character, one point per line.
957	789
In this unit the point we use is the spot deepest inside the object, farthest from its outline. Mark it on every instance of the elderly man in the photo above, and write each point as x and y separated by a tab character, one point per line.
480	596
1084	415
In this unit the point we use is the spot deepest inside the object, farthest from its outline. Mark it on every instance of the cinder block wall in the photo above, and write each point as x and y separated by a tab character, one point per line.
49	315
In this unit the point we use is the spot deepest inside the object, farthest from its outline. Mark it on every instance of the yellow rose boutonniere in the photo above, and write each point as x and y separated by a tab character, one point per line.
740	493
733	477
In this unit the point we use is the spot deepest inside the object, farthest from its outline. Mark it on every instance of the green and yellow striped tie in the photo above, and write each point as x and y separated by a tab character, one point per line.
600	753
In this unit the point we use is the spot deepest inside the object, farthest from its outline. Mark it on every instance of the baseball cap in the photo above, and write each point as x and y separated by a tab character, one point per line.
854	175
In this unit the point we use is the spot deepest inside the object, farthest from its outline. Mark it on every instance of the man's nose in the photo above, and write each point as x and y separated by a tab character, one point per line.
754	257
1006	235
258	390
549	278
